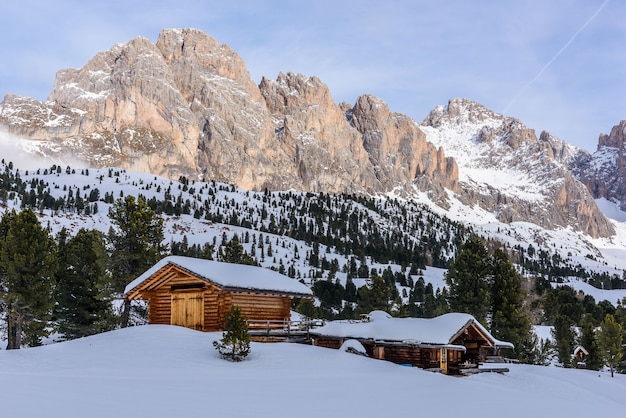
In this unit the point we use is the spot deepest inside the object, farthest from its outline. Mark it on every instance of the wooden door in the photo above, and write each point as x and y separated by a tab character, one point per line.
188	310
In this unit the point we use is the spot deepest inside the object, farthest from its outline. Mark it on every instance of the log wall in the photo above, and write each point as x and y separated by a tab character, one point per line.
327	342
260	307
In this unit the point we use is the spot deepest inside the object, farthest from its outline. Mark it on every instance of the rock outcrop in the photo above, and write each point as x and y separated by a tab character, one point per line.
510	172
604	171
398	149
325	152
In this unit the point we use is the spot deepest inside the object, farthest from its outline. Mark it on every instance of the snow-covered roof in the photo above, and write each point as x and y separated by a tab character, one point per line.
581	348
228	275
441	330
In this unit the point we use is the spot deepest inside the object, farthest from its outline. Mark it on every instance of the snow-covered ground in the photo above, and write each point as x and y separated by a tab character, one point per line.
166	371
605	255
614	296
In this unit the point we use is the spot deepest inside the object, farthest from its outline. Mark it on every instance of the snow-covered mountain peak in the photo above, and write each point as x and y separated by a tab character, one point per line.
604	172
460	111
476	137
505	169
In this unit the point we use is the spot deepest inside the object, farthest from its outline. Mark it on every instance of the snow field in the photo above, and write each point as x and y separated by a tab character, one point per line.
165	371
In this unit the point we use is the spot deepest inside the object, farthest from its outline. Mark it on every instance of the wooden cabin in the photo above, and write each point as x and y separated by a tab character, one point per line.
197	293
580	357
447	343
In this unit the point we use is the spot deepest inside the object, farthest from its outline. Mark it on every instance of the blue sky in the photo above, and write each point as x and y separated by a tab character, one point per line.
557	65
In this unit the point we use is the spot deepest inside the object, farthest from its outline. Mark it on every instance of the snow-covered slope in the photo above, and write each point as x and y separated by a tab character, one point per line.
604	171
416	220
517	177
165	371
219	206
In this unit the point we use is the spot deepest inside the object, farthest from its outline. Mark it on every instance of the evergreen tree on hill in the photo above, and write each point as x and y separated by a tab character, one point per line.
83	293
233	252
489	288
469	280
235	342
307	309
589	341
610	342
564	336
509	321
374	296
136	238
27	267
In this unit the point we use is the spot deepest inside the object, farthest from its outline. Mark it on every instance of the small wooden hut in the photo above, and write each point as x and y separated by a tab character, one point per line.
580	357
447	343
197	293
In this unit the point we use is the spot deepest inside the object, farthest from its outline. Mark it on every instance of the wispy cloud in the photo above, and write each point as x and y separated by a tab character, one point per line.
554	58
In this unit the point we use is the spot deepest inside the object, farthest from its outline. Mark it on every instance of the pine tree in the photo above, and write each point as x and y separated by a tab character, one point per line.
509	321
84	293
235	342
564	336
374	296
136	237
589	340
430	303
233	252
469	280
27	267
610	341
350	293
307	309
562	300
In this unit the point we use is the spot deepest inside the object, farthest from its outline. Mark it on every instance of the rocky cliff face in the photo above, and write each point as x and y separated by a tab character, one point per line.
324	151
398	149
604	172
507	170
186	106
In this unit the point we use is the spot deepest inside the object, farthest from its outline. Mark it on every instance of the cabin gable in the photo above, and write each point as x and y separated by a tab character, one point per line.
477	345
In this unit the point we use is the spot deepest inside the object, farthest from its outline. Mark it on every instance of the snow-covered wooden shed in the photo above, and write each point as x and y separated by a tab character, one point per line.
197	293
446	343
580	357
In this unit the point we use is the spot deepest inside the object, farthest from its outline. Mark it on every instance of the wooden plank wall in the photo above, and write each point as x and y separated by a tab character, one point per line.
160	307
327	342
403	354
262	307
211	310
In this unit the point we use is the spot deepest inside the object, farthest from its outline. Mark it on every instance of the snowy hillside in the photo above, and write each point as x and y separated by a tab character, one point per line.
165	371
281	230
290	223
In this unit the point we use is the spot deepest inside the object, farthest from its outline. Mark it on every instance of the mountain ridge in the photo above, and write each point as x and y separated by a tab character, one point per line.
503	161
186	106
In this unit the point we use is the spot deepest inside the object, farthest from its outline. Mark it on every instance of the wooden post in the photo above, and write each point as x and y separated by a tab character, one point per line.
379	352
443	360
